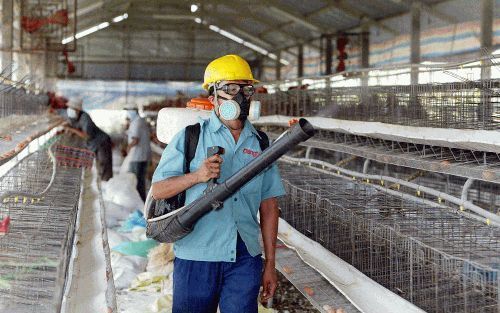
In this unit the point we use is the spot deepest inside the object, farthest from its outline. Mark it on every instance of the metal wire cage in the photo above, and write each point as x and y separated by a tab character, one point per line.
73	157
4	221
41	200
440	261
461	103
14	101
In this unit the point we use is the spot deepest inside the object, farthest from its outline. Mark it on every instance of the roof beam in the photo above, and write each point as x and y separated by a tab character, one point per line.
230	26
277	28
243	9
274	27
322	10
294	16
172	17
344	7
431	9
94	19
101	5
254	39
140	60
296	19
100	12
89	9
141	25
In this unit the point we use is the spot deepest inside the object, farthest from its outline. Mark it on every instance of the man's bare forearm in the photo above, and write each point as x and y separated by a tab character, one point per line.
172	186
269	216
77	132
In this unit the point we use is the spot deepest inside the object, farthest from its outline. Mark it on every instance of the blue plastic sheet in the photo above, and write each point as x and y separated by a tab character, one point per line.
138	248
135	219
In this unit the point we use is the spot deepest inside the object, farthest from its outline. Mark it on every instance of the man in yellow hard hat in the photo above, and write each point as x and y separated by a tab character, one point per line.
219	263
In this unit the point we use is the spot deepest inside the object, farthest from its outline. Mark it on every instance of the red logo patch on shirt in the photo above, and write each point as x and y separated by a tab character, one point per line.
252	153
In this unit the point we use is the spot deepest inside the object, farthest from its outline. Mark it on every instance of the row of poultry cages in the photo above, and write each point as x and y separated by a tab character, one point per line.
428	254
38	210
451	97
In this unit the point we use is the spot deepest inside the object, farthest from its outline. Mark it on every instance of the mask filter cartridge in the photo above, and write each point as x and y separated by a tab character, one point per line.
254	113
229	110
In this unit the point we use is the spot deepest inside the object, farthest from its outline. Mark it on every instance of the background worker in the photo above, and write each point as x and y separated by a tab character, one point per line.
219	263
80	124
138	149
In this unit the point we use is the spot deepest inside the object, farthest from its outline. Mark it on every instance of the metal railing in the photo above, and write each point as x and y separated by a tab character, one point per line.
451	96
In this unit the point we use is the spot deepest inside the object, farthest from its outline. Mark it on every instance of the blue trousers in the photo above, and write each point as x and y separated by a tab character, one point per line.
199	287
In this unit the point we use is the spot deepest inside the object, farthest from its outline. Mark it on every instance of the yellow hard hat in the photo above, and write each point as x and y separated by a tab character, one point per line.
228	67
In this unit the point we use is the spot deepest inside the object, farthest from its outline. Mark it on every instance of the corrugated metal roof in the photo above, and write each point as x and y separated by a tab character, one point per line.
378	8
303	7
272	24
271	16
337	19
251	25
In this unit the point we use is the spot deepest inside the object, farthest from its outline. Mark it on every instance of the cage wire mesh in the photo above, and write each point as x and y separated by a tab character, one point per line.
440	261
464	104
41	201
477	162
482	193
15	101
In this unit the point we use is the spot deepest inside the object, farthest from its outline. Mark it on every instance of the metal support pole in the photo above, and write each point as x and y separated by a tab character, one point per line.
308	152
365	60
300	61
260	67
487	8
465	188
7	18
365	52
415	40
365	166
328	55
365	46
278	66
127	66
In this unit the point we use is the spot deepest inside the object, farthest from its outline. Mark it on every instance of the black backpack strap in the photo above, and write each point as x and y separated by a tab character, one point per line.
190	144
191	139
263	140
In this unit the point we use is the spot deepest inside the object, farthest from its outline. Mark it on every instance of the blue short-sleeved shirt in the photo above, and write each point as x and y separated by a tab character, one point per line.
214	235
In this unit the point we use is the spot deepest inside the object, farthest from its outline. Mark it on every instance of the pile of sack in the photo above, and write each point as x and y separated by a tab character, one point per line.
140	265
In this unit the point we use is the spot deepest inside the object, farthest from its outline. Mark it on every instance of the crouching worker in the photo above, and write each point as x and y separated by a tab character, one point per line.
219	263
80	124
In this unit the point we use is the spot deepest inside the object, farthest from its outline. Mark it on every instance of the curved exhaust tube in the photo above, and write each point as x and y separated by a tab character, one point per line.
177	224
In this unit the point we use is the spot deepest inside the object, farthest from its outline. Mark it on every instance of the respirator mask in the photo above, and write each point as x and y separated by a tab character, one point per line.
72	114
239	107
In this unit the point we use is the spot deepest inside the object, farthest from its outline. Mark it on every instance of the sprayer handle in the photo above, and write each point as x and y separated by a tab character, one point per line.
211	151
